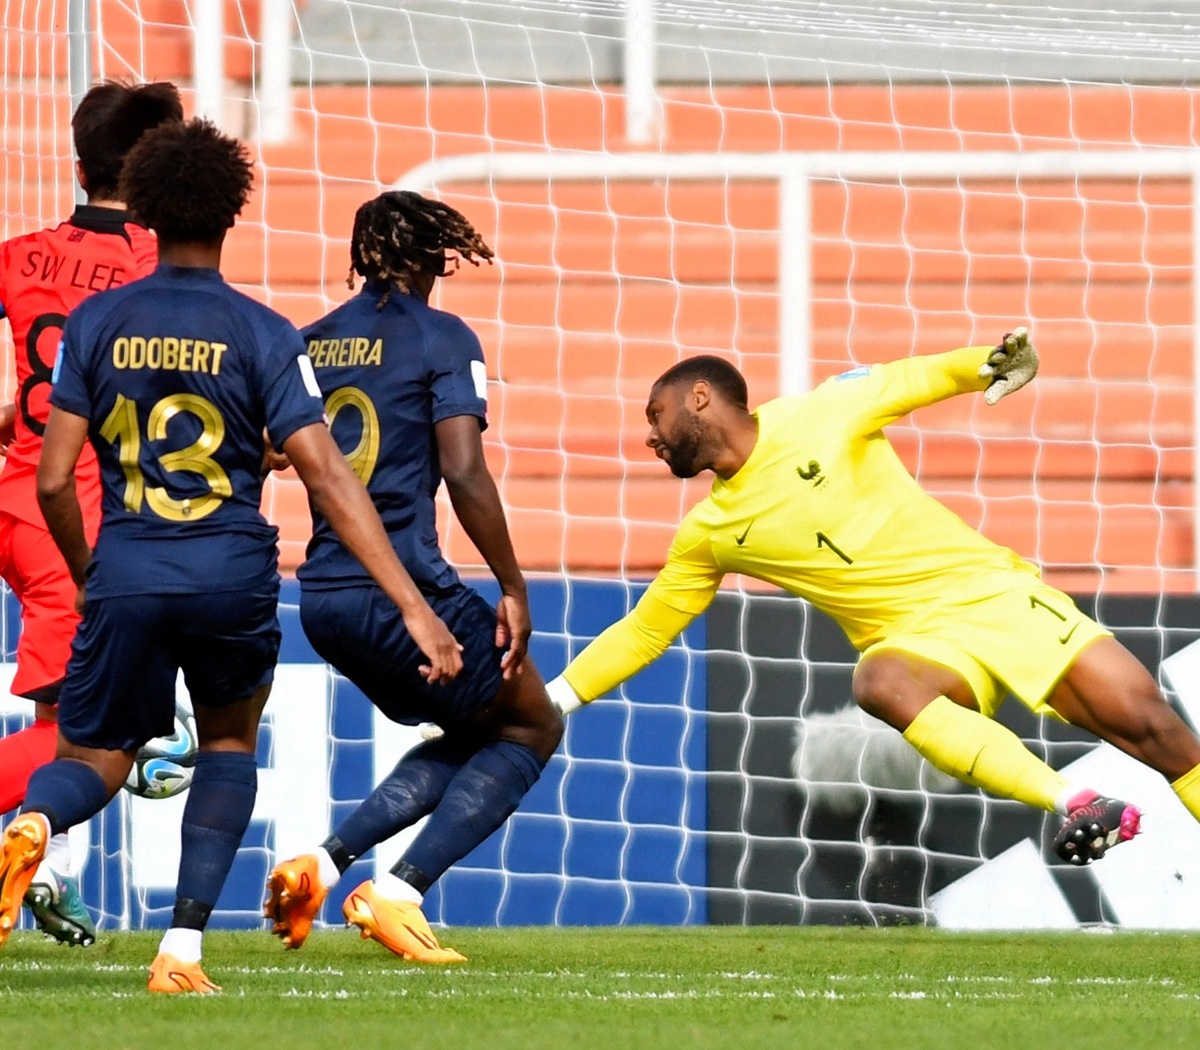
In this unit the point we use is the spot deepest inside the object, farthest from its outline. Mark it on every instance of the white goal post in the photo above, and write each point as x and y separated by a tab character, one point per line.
795	172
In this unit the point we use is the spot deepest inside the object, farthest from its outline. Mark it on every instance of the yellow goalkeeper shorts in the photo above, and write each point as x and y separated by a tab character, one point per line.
1020	640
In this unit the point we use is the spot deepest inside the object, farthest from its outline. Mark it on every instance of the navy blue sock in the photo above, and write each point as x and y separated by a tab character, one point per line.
405	795
479	799
215	818
66	793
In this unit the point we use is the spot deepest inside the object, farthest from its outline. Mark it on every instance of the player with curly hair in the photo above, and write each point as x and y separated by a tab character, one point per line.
406	394
43	276
174	379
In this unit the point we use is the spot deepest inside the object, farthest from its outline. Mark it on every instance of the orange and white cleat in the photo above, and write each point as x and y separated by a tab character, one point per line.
21	850
172	976
295	894
400	926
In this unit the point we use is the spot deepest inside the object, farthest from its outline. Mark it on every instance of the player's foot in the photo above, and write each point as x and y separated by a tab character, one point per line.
58	907
295	894
1095	826
173	977
398	925
21	850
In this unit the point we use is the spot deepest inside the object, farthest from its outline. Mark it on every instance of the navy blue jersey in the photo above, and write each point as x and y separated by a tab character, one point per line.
388	377
178	375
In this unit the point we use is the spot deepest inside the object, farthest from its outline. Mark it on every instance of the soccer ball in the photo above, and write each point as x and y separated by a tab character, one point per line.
163	766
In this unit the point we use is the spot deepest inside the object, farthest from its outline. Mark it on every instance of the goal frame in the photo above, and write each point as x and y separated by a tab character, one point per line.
795	172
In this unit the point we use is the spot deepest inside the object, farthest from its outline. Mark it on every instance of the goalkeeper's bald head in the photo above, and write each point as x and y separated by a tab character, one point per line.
187	181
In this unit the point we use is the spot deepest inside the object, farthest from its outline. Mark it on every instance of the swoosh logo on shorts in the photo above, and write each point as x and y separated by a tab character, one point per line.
739	540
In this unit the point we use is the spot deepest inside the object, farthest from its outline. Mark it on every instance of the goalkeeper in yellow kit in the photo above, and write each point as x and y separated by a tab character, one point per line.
809	495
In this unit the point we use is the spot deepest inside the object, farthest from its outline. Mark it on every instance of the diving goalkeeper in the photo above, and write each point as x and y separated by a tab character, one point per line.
809	495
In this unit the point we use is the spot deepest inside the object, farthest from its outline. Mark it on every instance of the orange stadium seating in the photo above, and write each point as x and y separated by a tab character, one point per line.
1079	473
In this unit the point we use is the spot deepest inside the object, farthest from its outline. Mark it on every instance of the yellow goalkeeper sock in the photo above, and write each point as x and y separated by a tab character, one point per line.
973	748
1187	787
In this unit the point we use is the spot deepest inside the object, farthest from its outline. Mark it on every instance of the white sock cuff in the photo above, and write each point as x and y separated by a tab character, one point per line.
563	696
1062	804
327	871
185	945
58	854
391	888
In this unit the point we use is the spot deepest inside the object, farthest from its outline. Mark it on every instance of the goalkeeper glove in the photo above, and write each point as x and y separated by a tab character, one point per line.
1010	366
561	694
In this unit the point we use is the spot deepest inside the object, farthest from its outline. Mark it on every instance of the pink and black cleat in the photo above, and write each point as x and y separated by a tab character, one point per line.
1095	826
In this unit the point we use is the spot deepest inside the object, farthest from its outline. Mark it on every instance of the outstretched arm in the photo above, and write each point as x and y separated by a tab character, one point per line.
477	506
618	653
679	593
900	387
340	498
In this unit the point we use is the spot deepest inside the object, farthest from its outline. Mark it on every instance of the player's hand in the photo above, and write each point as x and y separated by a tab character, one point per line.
272	458
434	639
8	426
1010	366
513	628
80	599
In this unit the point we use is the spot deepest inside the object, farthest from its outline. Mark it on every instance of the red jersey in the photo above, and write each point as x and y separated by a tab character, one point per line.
43	276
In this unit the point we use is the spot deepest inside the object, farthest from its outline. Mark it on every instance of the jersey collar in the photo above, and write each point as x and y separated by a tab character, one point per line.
102	220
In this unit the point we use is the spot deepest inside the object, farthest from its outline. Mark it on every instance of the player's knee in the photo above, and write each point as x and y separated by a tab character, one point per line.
528	717
547	732
885	688
874	688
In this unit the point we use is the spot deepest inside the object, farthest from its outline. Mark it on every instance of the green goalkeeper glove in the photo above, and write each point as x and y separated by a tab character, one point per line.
1010	366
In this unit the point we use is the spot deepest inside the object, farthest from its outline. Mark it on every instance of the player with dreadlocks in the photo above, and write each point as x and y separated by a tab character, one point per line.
174	379
401	239
406	396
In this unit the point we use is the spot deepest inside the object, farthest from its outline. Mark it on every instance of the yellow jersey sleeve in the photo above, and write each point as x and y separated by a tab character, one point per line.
681	591
895	389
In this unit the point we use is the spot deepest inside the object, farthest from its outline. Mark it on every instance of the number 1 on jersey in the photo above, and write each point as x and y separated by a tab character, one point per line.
825	541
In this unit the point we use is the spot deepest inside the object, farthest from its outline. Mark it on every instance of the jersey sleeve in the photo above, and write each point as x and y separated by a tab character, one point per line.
871	398
5	256
681	591
144	245
457	373
70	390
291	396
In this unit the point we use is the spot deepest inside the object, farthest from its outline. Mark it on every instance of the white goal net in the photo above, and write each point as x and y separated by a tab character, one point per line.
800	187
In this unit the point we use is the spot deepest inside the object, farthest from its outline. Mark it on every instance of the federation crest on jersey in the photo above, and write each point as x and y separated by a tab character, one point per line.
861	372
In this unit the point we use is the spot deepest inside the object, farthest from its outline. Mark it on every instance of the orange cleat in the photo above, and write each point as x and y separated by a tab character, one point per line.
294	897
173	977
21	850
399	926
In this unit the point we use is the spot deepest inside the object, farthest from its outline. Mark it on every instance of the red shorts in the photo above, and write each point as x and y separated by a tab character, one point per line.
33	567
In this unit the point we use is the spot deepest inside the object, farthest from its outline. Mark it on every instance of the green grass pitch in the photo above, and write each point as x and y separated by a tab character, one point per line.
749	988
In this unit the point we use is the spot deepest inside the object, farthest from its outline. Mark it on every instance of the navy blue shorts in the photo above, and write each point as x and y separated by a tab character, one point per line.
120	685
359	631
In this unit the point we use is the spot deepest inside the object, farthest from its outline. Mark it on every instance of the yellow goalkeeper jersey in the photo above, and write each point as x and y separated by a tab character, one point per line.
823	508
